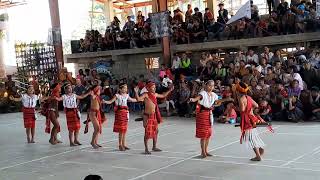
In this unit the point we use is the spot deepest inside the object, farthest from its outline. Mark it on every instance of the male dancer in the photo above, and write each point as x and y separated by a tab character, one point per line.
96	116
72	113
52	114
249	133
151	116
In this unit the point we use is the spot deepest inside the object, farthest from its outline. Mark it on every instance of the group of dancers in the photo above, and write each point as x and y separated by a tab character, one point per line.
206	101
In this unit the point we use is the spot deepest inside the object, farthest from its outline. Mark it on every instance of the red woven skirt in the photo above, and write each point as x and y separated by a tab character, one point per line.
120	121
29	117
73	121
203	124
151	129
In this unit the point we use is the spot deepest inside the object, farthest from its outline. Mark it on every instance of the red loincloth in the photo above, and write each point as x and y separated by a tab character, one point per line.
247	119
203	123
48	122
120	119
29	117
100	117
151	129
73	121
153	98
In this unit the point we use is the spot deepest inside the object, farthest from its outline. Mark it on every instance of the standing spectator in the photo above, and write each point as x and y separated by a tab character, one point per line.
129	26
208	17
222	15
177	16
270	5
188	15
282	11
310	75
185	63
175	63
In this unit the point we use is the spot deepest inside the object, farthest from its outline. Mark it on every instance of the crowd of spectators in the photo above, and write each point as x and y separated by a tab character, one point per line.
194	26
286	85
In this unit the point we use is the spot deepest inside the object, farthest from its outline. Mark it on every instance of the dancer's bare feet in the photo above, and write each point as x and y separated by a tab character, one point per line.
58	141
51	141
203	156
121	148
147	152
98	145
32	141
94	146
209	155
256	159
261	151
156	150
126	148
77	143
72	144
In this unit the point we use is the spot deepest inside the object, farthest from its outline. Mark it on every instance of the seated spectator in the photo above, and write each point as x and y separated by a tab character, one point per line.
166	81
293	110
264	66
185	63
268	55
220	72
229	115
270	76
252	58
315	103
265	110
162	72
197	15
197	33
273	25
294	89
241	29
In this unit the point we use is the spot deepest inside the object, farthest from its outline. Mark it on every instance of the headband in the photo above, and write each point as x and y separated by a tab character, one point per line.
241	89
150	84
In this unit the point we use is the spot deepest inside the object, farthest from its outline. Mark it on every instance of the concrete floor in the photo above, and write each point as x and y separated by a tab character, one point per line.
292	152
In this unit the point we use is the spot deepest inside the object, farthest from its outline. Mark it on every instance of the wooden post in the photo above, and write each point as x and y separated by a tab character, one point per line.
162	6
55	23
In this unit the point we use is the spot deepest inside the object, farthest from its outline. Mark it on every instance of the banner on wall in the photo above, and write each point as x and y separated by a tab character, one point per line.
160	24
318	8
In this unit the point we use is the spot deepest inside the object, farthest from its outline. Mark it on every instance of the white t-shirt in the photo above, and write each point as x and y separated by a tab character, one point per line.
268	56
253	58
297	77
176	63
29	101
122	100
69	101
208	100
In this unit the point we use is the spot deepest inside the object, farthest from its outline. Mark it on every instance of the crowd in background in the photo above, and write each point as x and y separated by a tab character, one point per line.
195	26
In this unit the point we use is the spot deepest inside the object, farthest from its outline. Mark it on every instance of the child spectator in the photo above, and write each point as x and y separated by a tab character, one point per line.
229	115
265	110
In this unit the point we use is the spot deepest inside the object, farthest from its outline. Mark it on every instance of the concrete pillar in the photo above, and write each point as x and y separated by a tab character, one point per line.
108	11
163	6
154	6
55	23
213	6
3	28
